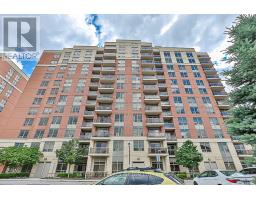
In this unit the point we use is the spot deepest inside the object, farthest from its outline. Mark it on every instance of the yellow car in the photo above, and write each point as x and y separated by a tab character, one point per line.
141	176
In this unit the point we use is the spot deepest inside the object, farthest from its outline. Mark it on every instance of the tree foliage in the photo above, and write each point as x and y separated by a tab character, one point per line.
19	156
188	156
242	77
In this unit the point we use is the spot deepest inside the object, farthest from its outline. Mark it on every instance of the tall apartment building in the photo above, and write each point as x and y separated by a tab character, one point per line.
130	103
12	83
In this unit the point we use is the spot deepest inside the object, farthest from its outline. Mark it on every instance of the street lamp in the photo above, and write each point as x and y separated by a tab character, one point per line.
129	153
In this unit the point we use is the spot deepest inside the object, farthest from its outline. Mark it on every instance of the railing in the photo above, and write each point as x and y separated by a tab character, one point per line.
99	150
244	152
161	85
87	124
151	97
146	54
216	84
163	93
209	69
87	112
103	120
148	69
146	48
160	77
108	68
107	77
236	137
150	87
212	76
104	108
95	76
149	77
166	103
168	125
106	86
147	62
101	134
222	103
156	134
167	114
225	114
94	84
157	150
92	93
90	102
153	108
96	68
85	136
105	97
220	93
171	137
154	120
157	62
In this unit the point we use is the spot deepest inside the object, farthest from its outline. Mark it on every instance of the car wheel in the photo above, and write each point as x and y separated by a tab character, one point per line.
195	183
219	184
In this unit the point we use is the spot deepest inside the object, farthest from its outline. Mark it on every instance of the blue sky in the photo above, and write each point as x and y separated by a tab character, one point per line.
203	32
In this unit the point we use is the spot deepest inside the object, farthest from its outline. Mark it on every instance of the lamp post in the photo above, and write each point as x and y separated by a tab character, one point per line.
42	173
129	153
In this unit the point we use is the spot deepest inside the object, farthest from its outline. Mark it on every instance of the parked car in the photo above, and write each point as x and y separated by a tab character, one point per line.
220	177
140	177
249	173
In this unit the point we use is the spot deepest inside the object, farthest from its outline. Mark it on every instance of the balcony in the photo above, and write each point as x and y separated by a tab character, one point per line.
151	99
153	151
97	69
108	70
99	151
171	137
220	95
157	57
209	70
95	77
107	79
109	56
243	152
90	103
109	49
216	86
165	103
150	88
146	56
167	114
154	122
163	94
225	114
147	63
156	136
94	85
212	78
153	110
223	104
109	62
149	71
85	136
157	63
106	88
86	125
102	122
101	135
88	114
92	93
98	56
105	98
169	126
149	79
146	49
160	77
161	85
97	63
103	109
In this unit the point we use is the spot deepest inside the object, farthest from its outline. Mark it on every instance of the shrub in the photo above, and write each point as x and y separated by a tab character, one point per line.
14	175
182	175
71	175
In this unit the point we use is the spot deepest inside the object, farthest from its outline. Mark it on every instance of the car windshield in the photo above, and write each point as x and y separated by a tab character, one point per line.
174	178
228	173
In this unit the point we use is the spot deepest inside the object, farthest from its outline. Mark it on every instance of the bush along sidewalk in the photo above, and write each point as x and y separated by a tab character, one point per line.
71	175
14	175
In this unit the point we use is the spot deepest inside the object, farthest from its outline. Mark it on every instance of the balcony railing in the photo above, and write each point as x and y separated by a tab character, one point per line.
168	125
171	137
101	134
105	97
163	93
104	108
220	93
244	152
212	76
160	77
108	68
92	93
87	124
225	114
167	114
106	86
148	70
157	150
90	102
85	136
165	103
153	108
88	112
99	150
216	84
156	134
151	97
103	120
107	77
222	103
149	77
154	120
161	85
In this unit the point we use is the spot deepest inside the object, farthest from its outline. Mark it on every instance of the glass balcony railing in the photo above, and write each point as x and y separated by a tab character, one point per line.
156	134
157	150
99	150
154	120
101	134
104	108
88	112
168	125
103	120
219	93
216	84
151	97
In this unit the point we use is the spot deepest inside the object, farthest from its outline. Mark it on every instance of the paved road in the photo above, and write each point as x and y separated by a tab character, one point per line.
32	181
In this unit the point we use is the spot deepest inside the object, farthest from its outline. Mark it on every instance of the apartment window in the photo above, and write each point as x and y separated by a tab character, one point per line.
137	117
206	100
183	74
118	145
60	75
51	100
136	105
54	91
218	133
56	119
28	122
32	111
119	96
75	109
168	60
72	120
119	117
191	100
197	74
194	110
214	121
182	67
137	131
63	67
23	134
205	146
186	82
201	133
189	55
51	68
39	133
184	133
118	130
177	54
70	133
135	86
170	67
48	146
167	54
43	121
209	110
63	99
194	67
37	101
188	90
171	74
198	120
119	105
210	165
177	99
138	145
35	145
182	121
120	85
41	92
44	83
19	144
199	82
202	90
174	81
53	132
117	166
47	111
179	60
47	75
230	165
175	90
59	109
77	99
179	109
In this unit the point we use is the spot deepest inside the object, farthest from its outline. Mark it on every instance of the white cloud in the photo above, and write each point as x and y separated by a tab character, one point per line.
167	27
18	63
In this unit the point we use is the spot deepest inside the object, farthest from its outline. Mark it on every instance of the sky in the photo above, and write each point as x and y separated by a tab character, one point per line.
203	32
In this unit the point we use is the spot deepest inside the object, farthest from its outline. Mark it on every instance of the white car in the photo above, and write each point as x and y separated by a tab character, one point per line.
220	177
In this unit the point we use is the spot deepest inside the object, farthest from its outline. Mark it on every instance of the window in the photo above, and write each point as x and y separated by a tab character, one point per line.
177	99
199	82
198	120
177	54
51	68
202	90
23	134
39	133
182	121
180	109
28	122
194	110
60	75
179	60
51	100
19	144
186	82
168	60
170	67
191	60
118	145
48	146
171	74
138	179
119	96
119	117
209	166
205	146
175	90
72	120
63	99
118	130
191	100
44	83
35	145
32	111
137	131
69	133
138	145
182	67
137	117
56	119
37	101
197	74
43	121
120	85
188	90
155	180
53	132
194	67
57	83
59	109
189	55
174	81
75	109
54	91
206	100
167	54
214	121
47	111
183	74
41	92
117	166
218	133
47	75
184	133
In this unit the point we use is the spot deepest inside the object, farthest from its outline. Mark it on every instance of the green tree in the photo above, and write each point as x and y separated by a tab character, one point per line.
242	77
188	156
70	153
15	157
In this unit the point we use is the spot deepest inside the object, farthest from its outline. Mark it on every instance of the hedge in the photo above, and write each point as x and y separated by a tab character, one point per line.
71	175
14	175
182	175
